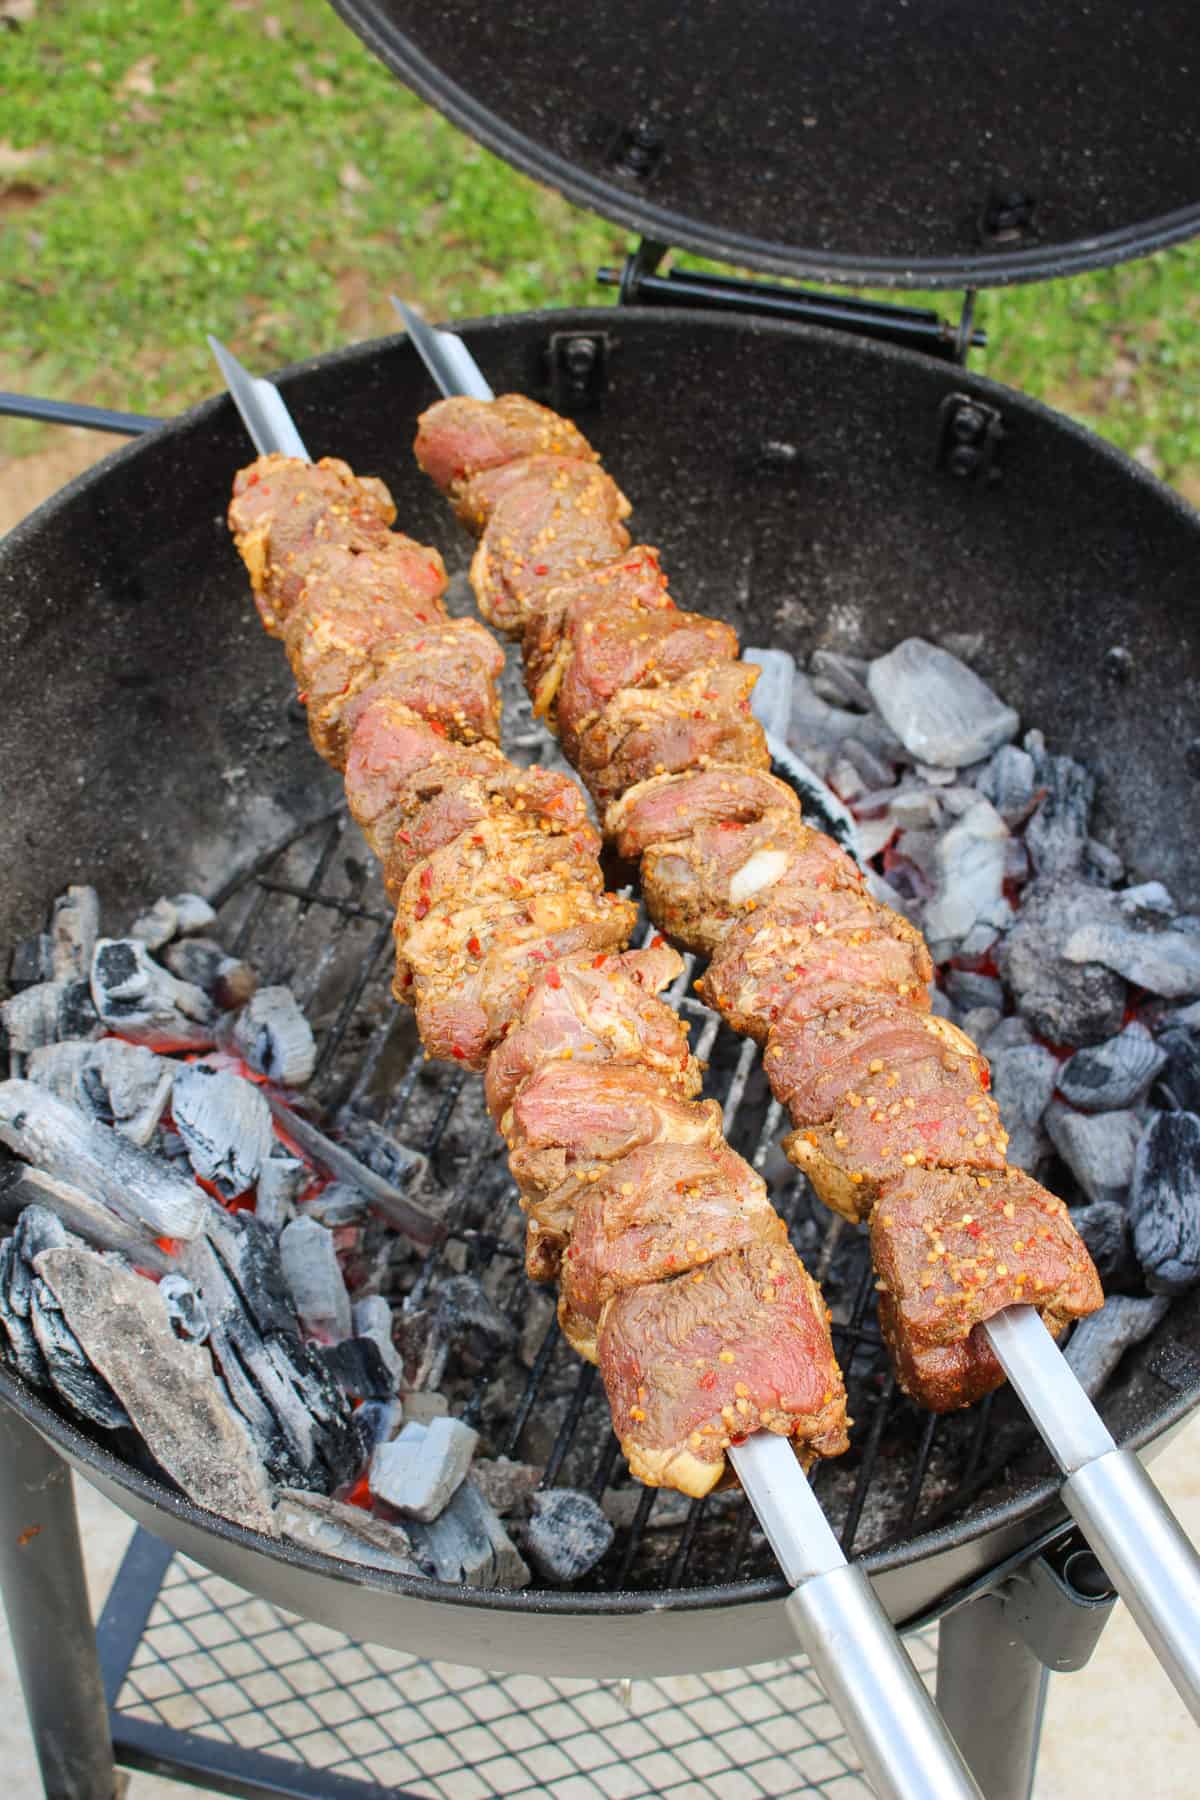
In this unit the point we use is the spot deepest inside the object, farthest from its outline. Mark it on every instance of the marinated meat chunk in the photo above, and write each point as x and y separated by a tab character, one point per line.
553	519
633	650
817	950
697	885
397	764
568	1122
466	971
596	1009
875	1088
503	858
635	581
445	673
704	718
660	1211
392	568
673	806
696	1363
283	510
952	1248
458	438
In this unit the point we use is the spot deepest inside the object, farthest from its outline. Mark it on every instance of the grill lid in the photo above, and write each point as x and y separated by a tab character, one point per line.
901	144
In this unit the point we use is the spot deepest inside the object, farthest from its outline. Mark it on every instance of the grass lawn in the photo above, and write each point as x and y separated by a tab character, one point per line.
171	167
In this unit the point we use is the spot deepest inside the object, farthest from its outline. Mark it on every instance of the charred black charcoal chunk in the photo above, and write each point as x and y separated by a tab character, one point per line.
358	1364
31	962
1182	1073
1104	1228
1114	1074
1099	1343
1165	1205
567	1534
1057	834
72	1376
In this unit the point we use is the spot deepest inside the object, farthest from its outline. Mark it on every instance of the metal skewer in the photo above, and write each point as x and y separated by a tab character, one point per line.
1145	1553
906	1749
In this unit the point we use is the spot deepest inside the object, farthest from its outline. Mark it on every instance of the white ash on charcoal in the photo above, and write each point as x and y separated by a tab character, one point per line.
228	982
372	1318
167	1387
1057	833
345	1532
300	1419
133	1183
1098	1148
969	990
840	680
185	1309
1164	961
141	1001
1023	1080
378	1422
40	1344
1098	1344
74	928
469	1546
115	1083
969	863
314	1280
940	710
274	1037
1065	1000
1102	865
377	1149
281	1181
419	1472
48	1013
980	1022
183	915
88	1219
1165	1203
1117	1073
1008	780
817	731
567	1534
226	1124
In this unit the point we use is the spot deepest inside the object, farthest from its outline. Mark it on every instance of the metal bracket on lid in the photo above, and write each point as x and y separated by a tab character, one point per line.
577	369
640	283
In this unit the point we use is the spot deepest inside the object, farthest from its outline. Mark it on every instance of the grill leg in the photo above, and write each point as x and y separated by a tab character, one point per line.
991	1690
45	1597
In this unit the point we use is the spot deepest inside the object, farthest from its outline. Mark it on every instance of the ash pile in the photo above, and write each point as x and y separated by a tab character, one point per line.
1078	984
232	1292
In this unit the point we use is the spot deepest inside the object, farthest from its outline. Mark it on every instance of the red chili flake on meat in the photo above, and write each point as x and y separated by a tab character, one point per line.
404	838
474	946
420	909
302	696
252	478
538	955
598	962
708	1379
541	568
458	1053
421	617
426	878
553	978
436	725
985	1078
657	941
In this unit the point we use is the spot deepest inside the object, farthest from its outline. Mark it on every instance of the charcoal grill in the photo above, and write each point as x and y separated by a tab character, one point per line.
865	491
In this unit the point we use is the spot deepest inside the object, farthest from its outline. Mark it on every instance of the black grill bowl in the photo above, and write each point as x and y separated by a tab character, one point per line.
797	485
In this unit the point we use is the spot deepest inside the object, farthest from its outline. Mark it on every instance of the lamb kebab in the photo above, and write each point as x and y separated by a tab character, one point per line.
894	1124
677	1275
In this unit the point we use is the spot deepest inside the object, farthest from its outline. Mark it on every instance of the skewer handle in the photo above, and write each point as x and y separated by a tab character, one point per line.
906	1750
1144	1550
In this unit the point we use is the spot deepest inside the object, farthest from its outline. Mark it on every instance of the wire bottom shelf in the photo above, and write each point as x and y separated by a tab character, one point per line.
210	1685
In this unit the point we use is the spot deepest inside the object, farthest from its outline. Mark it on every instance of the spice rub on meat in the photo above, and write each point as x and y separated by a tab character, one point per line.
699	1362
284	509
507	946
833	983
953	1247
460	437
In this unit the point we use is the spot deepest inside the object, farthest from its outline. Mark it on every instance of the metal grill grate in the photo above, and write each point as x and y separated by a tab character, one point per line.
313	913
220	1681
